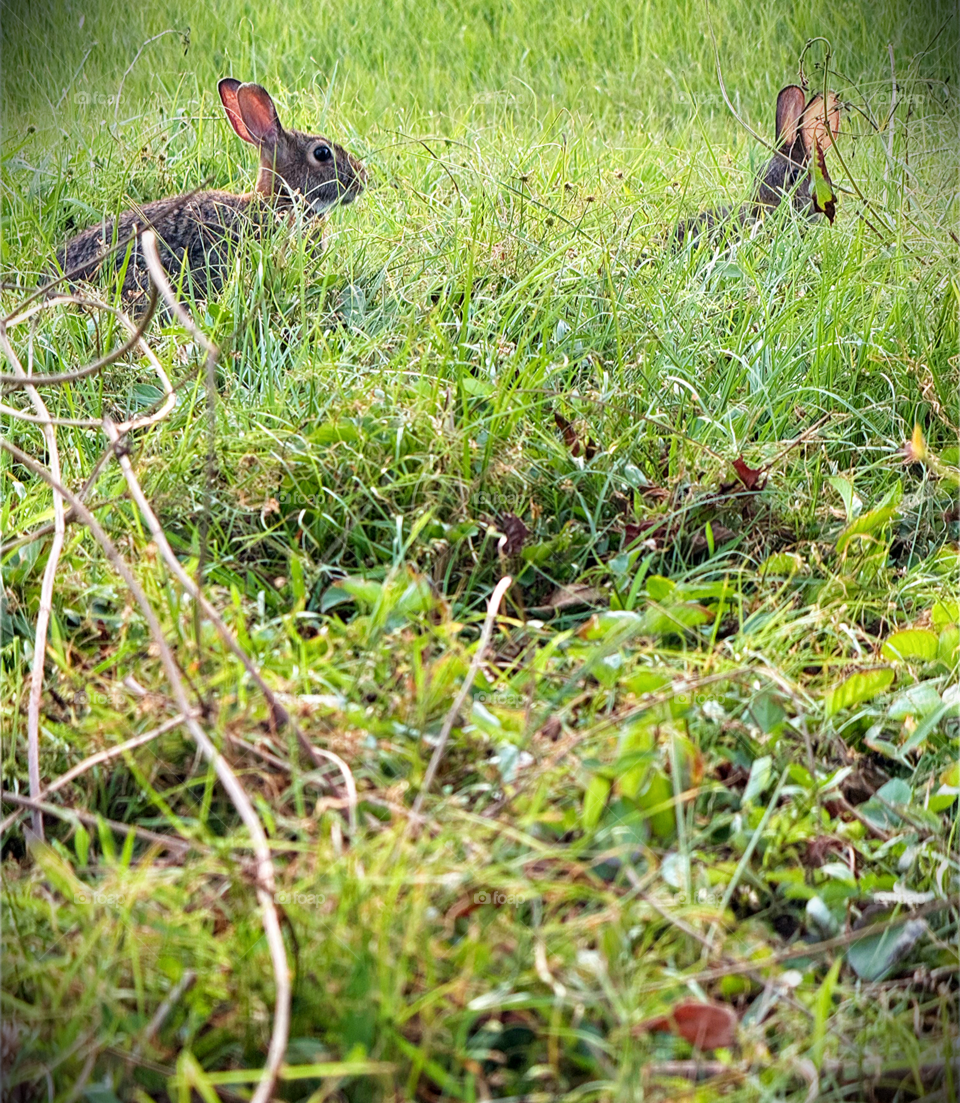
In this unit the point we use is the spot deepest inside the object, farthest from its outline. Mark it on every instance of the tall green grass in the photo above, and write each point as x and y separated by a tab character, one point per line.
383	406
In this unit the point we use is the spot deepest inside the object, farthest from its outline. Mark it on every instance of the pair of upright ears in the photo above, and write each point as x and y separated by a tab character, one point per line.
814	120
251	112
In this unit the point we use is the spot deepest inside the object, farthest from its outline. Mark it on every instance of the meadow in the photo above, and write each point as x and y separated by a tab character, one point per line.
671	812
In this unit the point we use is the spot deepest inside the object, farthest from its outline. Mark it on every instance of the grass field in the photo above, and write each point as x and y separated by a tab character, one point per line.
715	731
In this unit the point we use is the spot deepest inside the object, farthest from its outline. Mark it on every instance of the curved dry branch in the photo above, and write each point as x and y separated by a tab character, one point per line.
226	776
46	587
16	382
95	760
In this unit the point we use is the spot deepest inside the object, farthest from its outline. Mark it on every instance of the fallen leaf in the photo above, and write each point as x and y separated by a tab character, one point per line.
551	730
566	597
703	1025
572	439
514	534
749	476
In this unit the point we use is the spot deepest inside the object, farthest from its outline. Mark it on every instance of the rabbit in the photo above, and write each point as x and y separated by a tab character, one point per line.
198	230
787	175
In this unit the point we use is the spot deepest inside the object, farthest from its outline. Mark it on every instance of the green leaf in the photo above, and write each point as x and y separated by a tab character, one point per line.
759	780
100	1093
869	523
945	613
851	503
595	800
365	591
659	588
783	564
881	807
767	712
673	619
823	1009
919	700
862	686
331	432
297	584
866	525
875	957
656	800
646	681
913	643
81	843
923	730
144	395
895	791
948	646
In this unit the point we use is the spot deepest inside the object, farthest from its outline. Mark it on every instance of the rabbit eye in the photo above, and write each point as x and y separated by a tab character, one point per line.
322	153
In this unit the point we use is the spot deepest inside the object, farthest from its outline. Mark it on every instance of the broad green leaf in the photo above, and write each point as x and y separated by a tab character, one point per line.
100	1093
783	564
767	712
942	799
331	432
948	646
364	590
919	700
895	791
759	780
866	525
617	623
646	681
673	619
594	801
945	613
918	643
659	588
656	799
925	728
417	597
875	957
851	503
862	686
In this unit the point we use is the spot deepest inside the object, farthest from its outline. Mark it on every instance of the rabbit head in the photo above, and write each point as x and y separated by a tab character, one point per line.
291	163
801	126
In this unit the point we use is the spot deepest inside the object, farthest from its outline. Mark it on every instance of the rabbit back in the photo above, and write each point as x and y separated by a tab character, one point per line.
193	231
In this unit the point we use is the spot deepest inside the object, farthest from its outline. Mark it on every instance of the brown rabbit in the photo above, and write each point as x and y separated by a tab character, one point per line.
198	231
800	126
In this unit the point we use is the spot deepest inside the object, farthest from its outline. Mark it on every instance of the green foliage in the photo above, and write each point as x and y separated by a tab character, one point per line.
723	480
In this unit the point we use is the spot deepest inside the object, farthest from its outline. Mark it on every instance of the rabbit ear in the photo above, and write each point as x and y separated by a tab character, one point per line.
820	124
228	97
259	115
789	110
